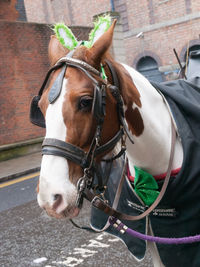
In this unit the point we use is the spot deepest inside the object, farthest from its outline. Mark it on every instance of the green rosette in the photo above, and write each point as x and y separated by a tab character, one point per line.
146	186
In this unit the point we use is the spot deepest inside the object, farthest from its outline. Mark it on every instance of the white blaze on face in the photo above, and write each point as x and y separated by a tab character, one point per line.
54	175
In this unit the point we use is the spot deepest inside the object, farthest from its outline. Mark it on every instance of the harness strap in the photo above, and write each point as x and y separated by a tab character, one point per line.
55	67
78	63
113	74
99	203
110	144
115	90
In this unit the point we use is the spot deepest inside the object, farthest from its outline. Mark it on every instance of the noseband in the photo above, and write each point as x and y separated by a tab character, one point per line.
86	160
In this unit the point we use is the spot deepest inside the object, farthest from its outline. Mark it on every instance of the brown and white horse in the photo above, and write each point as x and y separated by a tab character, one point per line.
70	119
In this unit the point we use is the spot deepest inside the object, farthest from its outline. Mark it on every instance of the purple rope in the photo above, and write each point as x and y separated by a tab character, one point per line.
163	240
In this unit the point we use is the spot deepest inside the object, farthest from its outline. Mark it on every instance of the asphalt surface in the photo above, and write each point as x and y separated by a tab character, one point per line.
29	237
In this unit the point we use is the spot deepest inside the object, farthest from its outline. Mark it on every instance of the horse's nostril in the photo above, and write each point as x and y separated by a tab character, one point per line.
57	200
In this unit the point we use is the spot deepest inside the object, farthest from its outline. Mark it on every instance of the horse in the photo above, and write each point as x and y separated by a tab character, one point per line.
93	109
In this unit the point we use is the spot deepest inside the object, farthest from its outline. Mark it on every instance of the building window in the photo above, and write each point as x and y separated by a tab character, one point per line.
192	58
191	49
148	67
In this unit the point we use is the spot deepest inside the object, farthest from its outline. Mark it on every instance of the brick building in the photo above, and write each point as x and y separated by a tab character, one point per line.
151	29
23	66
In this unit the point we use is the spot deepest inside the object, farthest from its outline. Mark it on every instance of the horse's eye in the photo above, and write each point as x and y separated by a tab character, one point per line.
85	103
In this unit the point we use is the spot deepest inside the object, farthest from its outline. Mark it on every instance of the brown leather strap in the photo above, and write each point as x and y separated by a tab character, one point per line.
100	204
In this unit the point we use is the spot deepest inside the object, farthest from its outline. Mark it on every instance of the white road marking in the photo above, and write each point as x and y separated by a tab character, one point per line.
83	252
39	260
78	255
70	261
97	244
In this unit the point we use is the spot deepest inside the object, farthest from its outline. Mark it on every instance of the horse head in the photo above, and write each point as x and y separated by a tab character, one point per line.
71	119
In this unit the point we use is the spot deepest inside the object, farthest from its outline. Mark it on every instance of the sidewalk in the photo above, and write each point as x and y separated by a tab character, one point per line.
16	167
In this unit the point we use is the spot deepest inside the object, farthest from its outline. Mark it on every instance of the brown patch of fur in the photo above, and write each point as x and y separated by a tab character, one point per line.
56	50
75	172
134	119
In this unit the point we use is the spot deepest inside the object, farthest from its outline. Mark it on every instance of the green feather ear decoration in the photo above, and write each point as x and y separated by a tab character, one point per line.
65	36
100	26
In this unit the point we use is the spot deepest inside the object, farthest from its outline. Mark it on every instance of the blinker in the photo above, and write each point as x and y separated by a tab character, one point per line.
57	86
36	116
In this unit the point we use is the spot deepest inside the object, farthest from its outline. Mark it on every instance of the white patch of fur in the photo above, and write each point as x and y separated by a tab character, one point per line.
55	127
54	175
151	149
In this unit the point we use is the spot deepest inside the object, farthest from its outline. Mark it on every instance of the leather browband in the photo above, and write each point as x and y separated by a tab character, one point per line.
77	63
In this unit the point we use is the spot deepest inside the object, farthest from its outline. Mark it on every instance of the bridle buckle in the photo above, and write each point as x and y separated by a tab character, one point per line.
84	182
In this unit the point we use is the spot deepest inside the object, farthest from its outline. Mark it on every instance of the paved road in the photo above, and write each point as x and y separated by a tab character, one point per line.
29	237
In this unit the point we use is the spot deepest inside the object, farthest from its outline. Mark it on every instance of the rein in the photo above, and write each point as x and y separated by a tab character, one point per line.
122	228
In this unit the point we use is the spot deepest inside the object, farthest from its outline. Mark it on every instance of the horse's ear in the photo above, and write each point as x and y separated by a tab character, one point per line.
102	44
100	26
65	36
56	50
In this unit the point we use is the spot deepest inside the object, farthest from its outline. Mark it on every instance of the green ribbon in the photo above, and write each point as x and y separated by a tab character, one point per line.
146	186
103	74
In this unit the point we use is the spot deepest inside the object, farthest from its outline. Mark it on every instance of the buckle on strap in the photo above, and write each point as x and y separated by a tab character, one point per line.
99	203
81	185
84	182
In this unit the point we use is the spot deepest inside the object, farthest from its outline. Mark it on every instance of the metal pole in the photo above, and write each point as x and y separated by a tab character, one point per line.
112	5
182	70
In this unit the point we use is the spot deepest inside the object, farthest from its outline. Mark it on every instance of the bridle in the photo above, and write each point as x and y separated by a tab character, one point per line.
86	160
